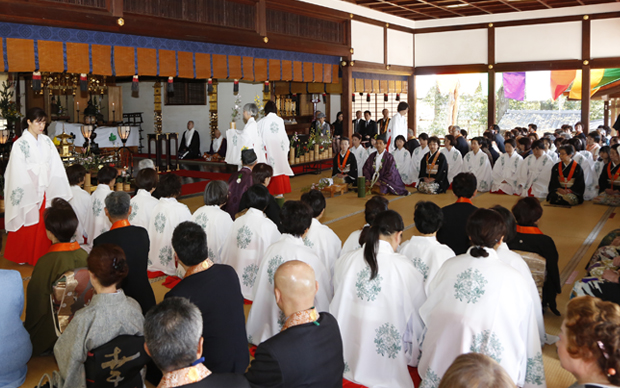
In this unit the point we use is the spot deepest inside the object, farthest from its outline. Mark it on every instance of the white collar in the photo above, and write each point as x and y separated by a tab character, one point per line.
168	199
143	193
103	187
293	239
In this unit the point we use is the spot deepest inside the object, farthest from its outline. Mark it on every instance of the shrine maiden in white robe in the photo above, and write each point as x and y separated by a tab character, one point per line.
402	157
266	319
361	154
378	318
505	171
427	255
479	165
217	225
515	260
166	216
276	145
534	174
416	160
34	170
585	161
481	305
555	158
324	242
142	205
397	126
82	203
238	139
250	236
455	161
352	242
99	222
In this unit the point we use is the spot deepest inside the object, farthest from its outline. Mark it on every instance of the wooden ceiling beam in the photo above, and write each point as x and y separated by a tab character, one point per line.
475	6
543	2
510	5
408	9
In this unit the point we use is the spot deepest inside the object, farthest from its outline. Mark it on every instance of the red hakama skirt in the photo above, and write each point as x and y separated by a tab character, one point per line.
280	184
28	243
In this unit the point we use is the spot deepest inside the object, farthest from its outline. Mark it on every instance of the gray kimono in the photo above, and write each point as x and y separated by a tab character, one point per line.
105	318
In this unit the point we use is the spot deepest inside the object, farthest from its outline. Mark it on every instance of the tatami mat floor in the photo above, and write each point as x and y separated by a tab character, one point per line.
569	228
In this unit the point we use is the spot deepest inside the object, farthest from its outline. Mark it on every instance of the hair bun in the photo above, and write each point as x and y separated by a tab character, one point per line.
479	251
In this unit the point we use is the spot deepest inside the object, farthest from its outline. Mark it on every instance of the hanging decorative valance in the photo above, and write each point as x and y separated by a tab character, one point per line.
28	48
379	83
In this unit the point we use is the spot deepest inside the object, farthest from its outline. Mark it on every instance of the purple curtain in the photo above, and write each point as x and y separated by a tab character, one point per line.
514	85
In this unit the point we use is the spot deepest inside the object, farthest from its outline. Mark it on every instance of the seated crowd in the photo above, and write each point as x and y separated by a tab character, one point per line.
454	306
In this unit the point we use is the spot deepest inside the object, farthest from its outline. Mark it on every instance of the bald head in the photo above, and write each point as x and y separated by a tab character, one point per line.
295	286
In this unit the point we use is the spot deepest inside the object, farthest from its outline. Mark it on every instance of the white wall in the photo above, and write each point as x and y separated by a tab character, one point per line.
604	38
400	48
334	106
348	6
451	48
539	42
367	42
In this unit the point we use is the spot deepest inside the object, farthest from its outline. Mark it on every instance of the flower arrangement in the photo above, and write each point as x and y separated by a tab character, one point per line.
261	108
237	109
94	162
8	108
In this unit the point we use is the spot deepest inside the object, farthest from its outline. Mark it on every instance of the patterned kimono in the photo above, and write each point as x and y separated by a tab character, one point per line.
427	255
437	171
455	162
142	205
166	216
402	157
324	242
573	182
266	319
505	169
481	305
217	224
479	165
249	238
389	180
378	318
99	222
534	175
416	160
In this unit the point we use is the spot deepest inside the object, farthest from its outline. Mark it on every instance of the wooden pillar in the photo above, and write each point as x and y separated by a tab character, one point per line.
491	74
346	103
412	97
585	74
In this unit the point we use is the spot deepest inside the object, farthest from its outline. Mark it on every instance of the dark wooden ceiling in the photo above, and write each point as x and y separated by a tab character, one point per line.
437	9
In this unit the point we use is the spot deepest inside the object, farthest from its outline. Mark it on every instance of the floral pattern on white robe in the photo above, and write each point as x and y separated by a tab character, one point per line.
416	160
534	174
454	160
99	222
361	154
402	157
238	139
82	205
324	242
217	224
142	205
585	161
479	165
504	174
276	145
427	255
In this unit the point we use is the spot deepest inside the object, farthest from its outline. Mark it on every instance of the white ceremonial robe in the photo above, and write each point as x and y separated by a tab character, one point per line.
479	165
352	242
555	158
516	261
238	139
142	205
597	168
402	157
427	255
416	159
397	126
324	242
276	145
585	161
454	160
504	174
99	222
167	215
482	305
361	154
217	224
266	319
34	171
534	174
81	202
378	318
249	238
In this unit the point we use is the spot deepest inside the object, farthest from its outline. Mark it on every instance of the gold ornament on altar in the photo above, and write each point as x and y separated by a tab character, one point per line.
66	148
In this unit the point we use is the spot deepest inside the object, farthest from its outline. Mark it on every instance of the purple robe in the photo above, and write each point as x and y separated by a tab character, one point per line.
389	178
238	183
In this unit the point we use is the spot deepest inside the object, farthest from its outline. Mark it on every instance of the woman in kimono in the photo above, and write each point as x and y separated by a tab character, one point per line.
504	174
433	170
416	158
108	315
377	296
277	148
535	172
81	202
402	157
609	180
34	176
478	163
477	303
373	207
143	203
60	225
216	223
567	183
380	170
453	157
166	216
